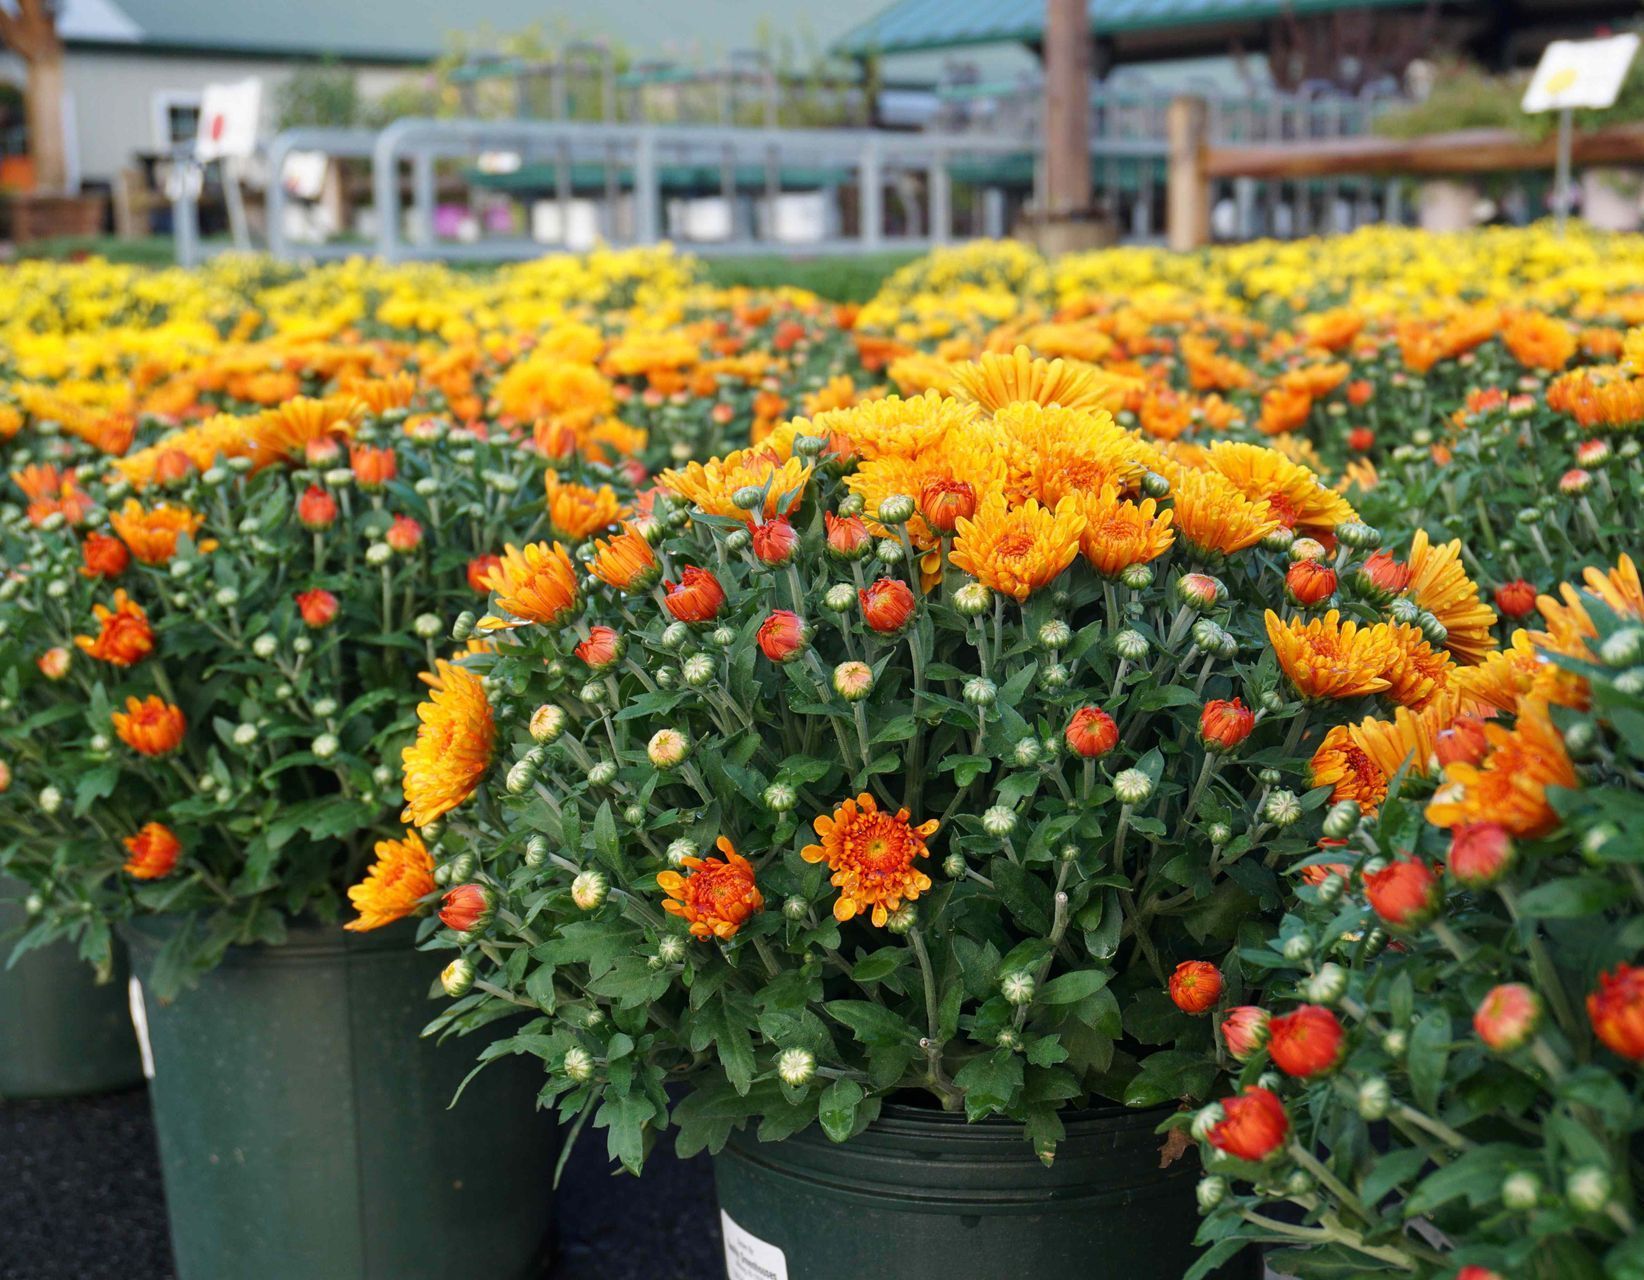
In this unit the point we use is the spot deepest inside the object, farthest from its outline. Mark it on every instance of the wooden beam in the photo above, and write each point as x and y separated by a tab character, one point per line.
1187	186
1067	107
1464	151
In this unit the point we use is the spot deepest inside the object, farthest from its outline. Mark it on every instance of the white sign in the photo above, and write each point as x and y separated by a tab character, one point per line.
304	174
229	117
747	1257
1580	73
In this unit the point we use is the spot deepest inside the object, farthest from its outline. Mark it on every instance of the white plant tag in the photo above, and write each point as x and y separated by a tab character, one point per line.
747	1257
139	1020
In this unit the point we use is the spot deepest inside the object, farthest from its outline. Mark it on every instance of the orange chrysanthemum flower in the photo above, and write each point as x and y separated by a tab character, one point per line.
710	486
152	534
394	884
452	750
537	584
626	561
1018	551
1440	585
1294	494
1329	658
1510	786
1348	770
715	896
1417	673
872	856
577	510
125	636
1539	341
153	852
1212	514
288	429
997	379
1118	534
152	727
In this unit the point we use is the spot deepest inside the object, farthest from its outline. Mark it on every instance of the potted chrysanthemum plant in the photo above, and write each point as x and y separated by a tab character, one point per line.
206	660
1442	1080
924	765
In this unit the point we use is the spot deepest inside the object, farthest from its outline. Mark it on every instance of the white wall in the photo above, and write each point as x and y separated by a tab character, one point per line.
115	95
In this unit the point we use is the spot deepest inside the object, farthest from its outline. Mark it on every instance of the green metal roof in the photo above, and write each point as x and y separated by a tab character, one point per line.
911	25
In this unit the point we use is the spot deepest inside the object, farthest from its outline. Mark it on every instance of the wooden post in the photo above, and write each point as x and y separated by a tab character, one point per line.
31	33
1187	201
1067	54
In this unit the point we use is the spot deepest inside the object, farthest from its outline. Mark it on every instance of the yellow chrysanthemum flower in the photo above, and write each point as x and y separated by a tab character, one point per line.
536	584
1440	585
453	746
1214	516
711	486
1018	551
1328	658
395	883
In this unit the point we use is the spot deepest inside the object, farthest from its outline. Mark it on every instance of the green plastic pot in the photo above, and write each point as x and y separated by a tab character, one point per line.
61	1031
921	1195
306	1131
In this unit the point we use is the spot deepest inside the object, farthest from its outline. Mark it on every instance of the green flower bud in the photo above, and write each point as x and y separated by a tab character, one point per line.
1017	987
902	919
795	907
1328	985
1132	786
1154	485
679	850
1220	833
1358	535
634	815
1027	753
1521	1191
1008	1039
840	598
668	748
1375	1099
698	670
780	797
954	865
980	691
579	1064
1055	634
1131	645
1588	1188
851	504
457	977
1297	947
796	1067
1210	1192
896	509
547	723
602	773
1341	819
748	497
427	626
1207	1118
1138	577
590	889
675	636
325	746
536	851
464	625
1394	1043
1282	808
670	949
999	820
973	599
1054	675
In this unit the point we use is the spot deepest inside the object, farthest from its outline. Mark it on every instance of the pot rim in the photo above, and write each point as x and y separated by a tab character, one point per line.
307	940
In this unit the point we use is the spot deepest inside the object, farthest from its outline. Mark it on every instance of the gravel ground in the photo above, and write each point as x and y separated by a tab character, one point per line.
80	1199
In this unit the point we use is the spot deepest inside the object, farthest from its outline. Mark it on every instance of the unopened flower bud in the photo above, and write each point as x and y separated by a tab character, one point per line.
1207	1118
1395	1042
1017	987
795	907
1138	577
1521	1191
902	919
1210	1192
697	670
579	1064
1054	675
245	735
980	691
537	850
954	865
1358	535
668	748
457	977
1027	753
463	627
326	745
1341	818
427	625
1282	808
1155	485
896	509
521	775
590	889
675	636
780	797
1588	1188
679	850
1220	833
1374	1099
602	773
1131	645
1132	786
840	598
670	949
999	820
1297	947
1328	985
1055	634
51	800
1008	1039
796	1067
973	599
748	497
853	680
1200	591
1623	649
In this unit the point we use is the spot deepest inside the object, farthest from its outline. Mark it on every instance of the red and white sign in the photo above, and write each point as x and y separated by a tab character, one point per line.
229	118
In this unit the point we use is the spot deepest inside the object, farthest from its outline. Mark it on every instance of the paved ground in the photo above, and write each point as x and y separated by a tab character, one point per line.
80	1199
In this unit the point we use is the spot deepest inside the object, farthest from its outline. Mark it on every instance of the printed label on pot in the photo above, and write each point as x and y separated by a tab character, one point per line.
139	1020
747	1257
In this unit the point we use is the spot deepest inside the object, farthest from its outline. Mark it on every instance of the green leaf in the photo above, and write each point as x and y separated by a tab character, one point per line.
990	1083
1070	988
880	965
606	842
871	1023
836	1109
1569	898
1429	1052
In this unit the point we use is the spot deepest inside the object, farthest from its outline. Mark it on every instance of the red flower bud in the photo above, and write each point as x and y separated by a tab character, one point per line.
1480	853
404	535
322	451
1254	1125
467	908
1091	733
105	557
1306	1042
318	607
696	597
1507	1016
848	537
1616	1011
1308	582
1405	893
1516	599
1383	575
1360	393
775	542
1195	986
1223	725
1244	1031
479	569
172	467
1361	439
373	467
944	503
887	605
1462	743
602	649
316	509
1472	1271
782	635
